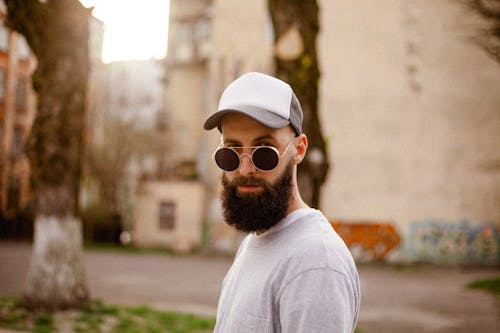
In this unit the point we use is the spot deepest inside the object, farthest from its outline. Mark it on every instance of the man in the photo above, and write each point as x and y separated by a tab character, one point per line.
292	273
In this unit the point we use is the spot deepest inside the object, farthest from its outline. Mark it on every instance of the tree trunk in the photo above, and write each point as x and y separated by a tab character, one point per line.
296	25
56	279
57	32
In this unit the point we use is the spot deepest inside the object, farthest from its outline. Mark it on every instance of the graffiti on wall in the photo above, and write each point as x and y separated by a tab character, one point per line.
459	242
367	240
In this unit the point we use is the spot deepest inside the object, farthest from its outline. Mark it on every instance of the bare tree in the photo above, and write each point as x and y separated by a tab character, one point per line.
57	32
296	26
109	160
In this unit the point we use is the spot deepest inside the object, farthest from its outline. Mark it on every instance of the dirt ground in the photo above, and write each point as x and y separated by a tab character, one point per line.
421	298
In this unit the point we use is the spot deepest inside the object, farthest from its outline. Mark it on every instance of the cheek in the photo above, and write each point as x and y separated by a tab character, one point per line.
228	177
271	176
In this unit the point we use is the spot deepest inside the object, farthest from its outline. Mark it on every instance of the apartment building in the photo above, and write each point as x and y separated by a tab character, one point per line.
17	110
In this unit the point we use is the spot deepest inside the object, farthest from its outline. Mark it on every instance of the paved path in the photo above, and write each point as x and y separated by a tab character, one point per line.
410	299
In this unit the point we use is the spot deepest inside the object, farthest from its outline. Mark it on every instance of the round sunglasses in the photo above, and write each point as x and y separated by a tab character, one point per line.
264	158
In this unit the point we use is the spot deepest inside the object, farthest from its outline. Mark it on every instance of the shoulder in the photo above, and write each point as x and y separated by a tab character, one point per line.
311	244
319	300
316	242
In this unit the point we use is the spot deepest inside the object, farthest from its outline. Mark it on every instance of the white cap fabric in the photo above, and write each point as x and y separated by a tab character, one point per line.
263	98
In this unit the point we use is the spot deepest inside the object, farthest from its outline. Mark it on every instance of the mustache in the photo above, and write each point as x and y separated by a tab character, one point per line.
247	181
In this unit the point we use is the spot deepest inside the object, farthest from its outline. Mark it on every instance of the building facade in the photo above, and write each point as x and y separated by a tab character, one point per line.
17	110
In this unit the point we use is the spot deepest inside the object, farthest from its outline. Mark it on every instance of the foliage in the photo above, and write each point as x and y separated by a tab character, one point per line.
491	285
110	161
99	317
99	225
96	214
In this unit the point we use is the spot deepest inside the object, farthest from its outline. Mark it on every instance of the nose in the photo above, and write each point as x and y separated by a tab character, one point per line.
246	165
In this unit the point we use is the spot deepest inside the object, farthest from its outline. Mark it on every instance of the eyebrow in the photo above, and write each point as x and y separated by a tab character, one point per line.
254	141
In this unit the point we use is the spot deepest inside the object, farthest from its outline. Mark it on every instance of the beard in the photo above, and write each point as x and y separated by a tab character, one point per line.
251	212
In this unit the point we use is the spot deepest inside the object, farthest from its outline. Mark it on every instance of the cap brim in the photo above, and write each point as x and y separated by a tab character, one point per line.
262	116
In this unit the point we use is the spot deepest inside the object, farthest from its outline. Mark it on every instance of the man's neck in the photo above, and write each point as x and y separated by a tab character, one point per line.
295	204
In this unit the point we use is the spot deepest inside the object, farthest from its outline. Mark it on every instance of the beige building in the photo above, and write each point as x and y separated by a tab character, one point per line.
169	214
409	107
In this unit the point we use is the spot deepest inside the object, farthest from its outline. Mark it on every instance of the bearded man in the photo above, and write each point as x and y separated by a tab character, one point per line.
292	272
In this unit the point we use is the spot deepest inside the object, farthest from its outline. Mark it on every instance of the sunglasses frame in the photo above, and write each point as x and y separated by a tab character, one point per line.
254	149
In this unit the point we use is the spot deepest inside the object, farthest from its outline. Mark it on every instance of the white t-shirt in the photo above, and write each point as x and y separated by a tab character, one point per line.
296	277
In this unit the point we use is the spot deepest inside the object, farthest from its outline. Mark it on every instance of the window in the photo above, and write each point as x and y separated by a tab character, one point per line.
202	37
2	85
191	39
202	29
21	93
269	30
167	215
4	37
1	148
24	49
183	40
17	143
13	193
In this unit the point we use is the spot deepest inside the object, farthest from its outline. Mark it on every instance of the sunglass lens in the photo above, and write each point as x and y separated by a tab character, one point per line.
265	158
227	159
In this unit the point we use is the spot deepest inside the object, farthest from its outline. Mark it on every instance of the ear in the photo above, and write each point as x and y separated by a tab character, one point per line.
300	148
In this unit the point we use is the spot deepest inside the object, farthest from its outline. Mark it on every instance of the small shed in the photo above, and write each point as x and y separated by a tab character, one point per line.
169	214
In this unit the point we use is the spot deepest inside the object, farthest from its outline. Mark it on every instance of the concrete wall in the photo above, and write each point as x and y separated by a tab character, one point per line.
410	107
189	202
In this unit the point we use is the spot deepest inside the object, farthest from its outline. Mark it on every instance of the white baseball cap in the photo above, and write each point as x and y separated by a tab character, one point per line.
261	97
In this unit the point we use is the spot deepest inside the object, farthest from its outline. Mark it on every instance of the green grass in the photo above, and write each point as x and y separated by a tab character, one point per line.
99	317
491	285
14	316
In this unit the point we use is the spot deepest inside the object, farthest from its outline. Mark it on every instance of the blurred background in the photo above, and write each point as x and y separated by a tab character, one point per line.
408	106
